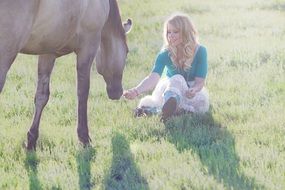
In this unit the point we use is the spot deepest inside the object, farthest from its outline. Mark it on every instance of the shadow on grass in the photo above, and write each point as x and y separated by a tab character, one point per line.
31	164
214	145
124	173
84	157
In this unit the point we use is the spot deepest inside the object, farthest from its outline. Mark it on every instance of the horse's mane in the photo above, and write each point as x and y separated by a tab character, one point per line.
114	19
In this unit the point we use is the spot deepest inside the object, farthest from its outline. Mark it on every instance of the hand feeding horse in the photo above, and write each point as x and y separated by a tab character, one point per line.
51	29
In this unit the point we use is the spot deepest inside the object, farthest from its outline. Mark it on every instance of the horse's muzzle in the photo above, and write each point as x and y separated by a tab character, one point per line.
114	93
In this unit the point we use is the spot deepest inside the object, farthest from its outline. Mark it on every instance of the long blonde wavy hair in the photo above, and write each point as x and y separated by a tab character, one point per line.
189	40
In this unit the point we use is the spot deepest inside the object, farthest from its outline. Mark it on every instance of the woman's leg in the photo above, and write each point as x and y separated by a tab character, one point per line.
151	104
198	104
173	95
156	98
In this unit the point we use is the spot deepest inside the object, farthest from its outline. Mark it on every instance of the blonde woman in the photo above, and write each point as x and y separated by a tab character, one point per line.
186	66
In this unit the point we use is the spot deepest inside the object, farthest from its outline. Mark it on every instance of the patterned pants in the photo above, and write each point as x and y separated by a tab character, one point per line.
176	86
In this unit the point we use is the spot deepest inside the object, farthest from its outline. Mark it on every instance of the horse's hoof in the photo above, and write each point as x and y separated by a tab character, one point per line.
86	142
32	141
31	145
28	147
87	145
31	148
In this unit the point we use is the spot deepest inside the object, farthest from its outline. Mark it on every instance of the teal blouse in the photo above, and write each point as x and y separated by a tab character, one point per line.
199	66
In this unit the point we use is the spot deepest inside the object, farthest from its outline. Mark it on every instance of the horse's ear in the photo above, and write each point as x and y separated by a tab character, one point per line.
128	25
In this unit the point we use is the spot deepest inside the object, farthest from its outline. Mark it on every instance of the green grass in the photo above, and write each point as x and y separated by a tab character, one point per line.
239	144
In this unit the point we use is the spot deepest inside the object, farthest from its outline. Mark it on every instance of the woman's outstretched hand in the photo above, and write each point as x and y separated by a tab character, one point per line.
131	93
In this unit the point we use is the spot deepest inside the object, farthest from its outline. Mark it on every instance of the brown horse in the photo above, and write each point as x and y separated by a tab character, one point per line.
52	28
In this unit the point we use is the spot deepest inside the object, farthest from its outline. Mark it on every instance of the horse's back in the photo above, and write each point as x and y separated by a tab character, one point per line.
16	21
60	25
49	26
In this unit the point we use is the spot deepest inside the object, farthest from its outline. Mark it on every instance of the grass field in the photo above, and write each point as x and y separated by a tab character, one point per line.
239	144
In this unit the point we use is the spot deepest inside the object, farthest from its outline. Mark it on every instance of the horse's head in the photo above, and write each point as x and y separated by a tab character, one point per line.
111	57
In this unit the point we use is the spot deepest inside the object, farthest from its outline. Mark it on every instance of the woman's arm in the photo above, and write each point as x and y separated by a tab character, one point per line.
198	85
148	83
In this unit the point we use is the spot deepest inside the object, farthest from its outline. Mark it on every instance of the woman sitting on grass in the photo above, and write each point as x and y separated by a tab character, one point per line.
186	63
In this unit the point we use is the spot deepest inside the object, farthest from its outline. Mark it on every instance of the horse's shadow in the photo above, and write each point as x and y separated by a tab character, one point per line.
84	157
123	174
214	145
31	165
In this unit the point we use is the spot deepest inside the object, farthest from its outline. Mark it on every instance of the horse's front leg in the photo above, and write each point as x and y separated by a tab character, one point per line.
84	61
45	66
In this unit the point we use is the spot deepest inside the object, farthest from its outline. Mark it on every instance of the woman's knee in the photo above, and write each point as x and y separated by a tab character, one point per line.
177	77
177	81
